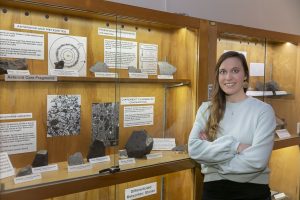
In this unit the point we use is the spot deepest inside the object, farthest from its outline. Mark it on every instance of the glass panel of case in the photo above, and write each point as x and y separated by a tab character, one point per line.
116	76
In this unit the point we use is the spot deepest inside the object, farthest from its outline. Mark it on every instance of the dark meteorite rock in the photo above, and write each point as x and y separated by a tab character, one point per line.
18	64
97	149
99	67
75	159
59	65
139	144
40	159
24	171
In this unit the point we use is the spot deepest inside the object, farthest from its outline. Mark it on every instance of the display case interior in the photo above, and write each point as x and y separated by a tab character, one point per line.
273	60
145	81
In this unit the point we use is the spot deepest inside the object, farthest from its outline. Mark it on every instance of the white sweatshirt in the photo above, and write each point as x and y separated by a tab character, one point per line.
250	121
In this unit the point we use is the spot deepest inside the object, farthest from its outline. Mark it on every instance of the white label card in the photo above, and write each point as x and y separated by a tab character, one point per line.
257	69
137	75
126	161
29	78
137	100
41	28
61	72
18	72
6	168
163	143
15	116
21	45
165	77
18	137
283	133
106	75
27	178
75	168
141	191
120	54
119	33
48	168
99	159
154	155
148	54
138	115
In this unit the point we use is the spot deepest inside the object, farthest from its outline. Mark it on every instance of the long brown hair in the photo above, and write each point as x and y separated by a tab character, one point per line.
218	100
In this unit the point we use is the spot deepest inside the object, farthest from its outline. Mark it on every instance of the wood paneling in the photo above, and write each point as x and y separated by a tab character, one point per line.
178	43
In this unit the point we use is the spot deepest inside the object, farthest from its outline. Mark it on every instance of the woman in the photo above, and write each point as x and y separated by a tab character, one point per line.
232	136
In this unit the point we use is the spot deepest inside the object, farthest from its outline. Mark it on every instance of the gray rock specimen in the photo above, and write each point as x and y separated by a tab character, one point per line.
40	159
180	148
99	67
59	65
18	64
166	68
123	153
139	144
24	171
75	159
133	70
97	149
269	86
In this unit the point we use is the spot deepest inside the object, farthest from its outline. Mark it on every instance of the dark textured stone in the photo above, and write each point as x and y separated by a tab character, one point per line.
18	64
59	65
40	159
24	171
97	149
75	159
139	144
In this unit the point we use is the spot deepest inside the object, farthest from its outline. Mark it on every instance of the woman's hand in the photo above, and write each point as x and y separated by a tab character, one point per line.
242	147
203	136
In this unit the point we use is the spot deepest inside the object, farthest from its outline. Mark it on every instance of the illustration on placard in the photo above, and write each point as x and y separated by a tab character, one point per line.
63	116
66	55
105	123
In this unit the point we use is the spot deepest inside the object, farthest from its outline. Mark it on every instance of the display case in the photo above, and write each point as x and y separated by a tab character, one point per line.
273	60
95	73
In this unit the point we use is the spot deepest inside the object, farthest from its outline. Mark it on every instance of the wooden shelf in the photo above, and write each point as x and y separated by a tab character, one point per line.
282	143
56	183
115	80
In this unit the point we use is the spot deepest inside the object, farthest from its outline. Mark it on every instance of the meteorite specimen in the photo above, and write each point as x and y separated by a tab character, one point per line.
75	159
139	144
18	64
133	70
59	65
97	149
166	68
99	67
40	159
24	171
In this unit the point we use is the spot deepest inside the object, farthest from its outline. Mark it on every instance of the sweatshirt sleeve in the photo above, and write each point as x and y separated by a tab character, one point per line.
205	152
254	159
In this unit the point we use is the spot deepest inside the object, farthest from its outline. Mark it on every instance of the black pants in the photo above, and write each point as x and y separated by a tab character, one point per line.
229	190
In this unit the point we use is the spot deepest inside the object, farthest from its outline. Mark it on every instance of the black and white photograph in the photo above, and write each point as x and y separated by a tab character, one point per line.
105	123
63	117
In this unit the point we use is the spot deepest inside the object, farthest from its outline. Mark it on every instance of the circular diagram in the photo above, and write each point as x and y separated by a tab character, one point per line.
70	50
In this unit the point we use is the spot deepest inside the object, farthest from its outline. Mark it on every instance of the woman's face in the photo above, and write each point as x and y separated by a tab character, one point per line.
231	78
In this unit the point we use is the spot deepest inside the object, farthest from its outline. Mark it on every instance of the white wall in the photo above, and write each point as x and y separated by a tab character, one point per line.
275	15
